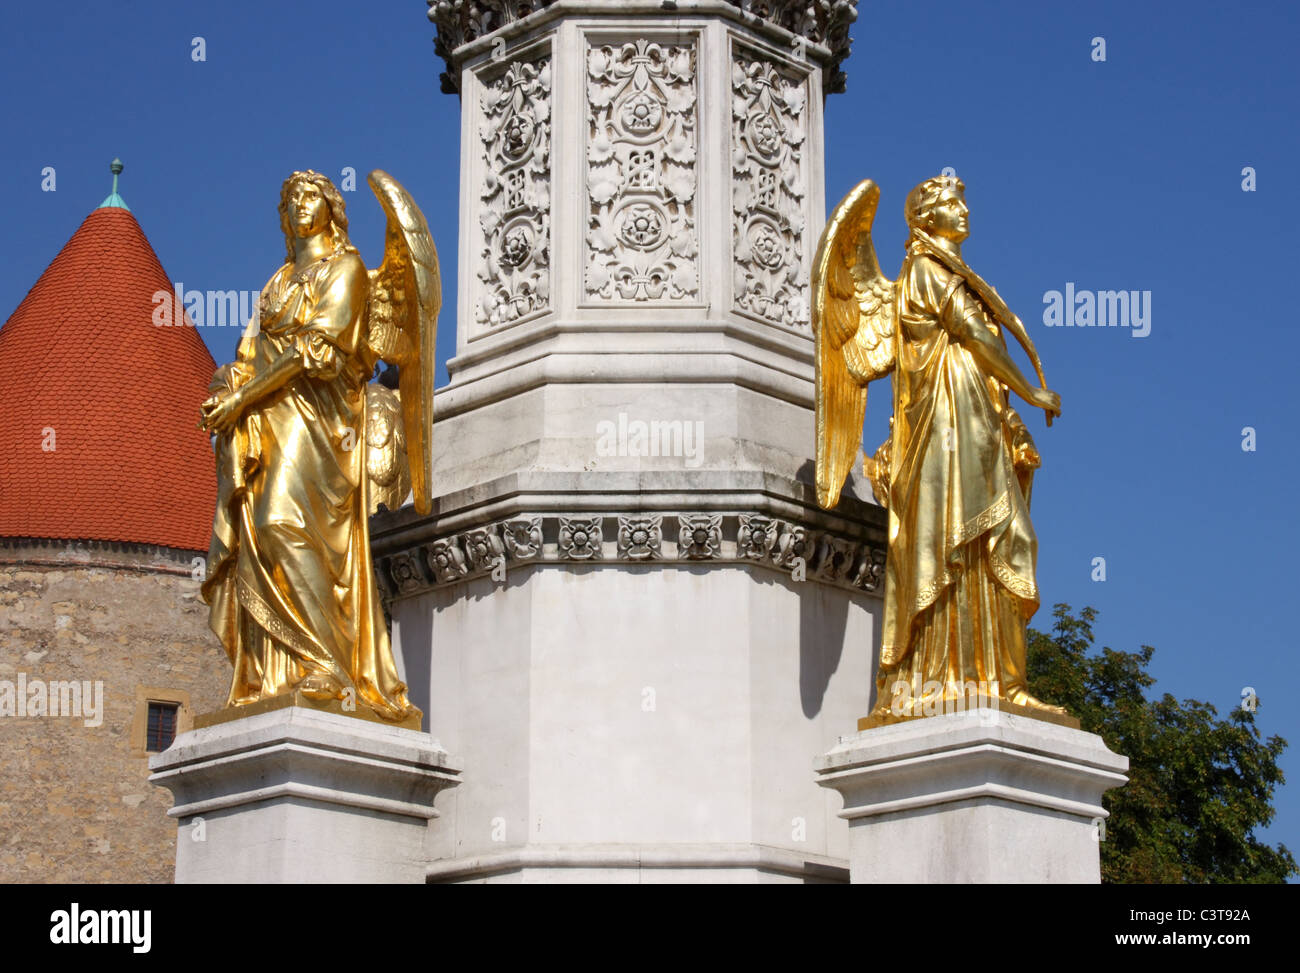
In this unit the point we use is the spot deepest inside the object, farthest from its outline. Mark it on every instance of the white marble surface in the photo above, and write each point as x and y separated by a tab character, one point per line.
629	720
527	389
981	796
297	795
602	707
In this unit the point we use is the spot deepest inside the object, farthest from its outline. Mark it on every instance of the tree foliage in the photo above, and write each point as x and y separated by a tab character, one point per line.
1198	785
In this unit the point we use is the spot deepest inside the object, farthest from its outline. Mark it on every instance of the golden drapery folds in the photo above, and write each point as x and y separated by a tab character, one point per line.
962	549
290	583
957	469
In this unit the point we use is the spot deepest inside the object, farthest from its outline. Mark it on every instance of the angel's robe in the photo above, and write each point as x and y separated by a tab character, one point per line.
960	573
290	582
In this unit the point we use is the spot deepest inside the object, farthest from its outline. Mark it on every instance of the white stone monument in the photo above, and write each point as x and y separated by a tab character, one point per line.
981	795
292	793
627	615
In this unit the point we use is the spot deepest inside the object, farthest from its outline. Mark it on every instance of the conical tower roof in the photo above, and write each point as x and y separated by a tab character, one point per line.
98	405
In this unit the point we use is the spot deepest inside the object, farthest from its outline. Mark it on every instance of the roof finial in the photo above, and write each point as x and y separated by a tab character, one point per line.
115	201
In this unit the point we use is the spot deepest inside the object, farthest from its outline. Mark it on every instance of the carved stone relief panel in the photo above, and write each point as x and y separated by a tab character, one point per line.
514	213
769	127
641	241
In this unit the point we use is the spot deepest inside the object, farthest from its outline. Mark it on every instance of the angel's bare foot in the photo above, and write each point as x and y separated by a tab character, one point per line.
319	686
1022	698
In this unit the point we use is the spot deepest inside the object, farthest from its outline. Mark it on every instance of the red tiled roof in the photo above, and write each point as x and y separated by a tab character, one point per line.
82	357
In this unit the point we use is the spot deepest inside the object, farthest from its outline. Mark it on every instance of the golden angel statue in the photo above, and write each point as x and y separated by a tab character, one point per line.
956	471
298	425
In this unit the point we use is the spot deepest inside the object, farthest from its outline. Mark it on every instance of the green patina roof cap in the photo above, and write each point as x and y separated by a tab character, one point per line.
114	201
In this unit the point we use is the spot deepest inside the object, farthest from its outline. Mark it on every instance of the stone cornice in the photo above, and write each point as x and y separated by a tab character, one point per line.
525	375
463	24
655	519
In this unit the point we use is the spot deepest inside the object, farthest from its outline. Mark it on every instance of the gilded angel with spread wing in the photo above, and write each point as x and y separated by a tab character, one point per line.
298	424
956	471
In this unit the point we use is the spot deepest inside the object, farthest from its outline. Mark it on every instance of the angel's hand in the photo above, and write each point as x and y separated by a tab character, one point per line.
1047	400
221	412
207	406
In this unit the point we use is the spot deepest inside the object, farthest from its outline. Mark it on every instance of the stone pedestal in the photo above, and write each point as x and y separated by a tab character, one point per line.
980	796
296	795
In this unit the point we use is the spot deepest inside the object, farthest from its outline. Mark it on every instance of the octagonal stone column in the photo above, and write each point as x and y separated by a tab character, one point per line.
626	613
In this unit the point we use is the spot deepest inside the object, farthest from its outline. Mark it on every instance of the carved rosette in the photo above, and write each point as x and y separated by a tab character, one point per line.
809	554
699	536
405	573
791	545
640	538
483	546
833	557
515	217
642	243
768	187
447	560
868	569
580	538
523	538
755	537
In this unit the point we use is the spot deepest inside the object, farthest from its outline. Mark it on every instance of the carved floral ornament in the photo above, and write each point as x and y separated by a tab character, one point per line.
641	153
824	22
515	214
768	131
804	552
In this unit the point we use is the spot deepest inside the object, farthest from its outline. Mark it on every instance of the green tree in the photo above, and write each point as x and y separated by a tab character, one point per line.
1198	785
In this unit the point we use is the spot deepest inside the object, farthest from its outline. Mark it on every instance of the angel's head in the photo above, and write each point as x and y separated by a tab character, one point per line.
938	206
310	204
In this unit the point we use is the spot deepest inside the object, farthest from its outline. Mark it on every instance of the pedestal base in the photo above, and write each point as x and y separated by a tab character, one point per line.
714	864
980	796
299	795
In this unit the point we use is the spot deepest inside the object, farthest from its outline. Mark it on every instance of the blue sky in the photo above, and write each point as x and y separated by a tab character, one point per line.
1123	174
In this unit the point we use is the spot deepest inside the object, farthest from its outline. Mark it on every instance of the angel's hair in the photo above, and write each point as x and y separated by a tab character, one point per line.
922	200
333	198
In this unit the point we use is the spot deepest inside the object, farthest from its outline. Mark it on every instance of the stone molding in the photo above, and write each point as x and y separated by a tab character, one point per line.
822	24
1022	797
299	795
981	753
763	859
297	752
659	538
498	378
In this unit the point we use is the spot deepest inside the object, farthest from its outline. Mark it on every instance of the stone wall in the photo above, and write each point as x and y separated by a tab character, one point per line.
75	804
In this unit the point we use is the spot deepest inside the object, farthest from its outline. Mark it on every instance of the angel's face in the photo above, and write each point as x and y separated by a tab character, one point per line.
309	212
950	218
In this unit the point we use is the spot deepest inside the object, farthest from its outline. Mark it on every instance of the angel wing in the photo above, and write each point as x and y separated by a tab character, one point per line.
405	296
853	320
386	465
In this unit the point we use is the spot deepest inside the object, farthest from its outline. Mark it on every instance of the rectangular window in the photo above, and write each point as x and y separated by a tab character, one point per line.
161	729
